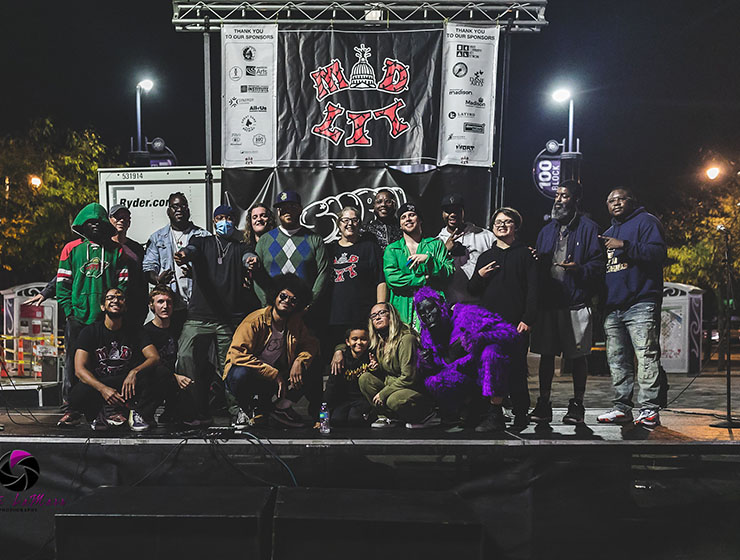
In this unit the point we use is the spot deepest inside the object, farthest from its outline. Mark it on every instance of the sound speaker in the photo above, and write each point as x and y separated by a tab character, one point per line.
166	522
330	523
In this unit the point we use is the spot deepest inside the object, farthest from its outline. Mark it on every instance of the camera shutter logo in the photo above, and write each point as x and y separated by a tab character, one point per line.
19	470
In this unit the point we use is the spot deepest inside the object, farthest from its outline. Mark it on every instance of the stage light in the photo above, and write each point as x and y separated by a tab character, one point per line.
713	172
35	181
146	85
561	95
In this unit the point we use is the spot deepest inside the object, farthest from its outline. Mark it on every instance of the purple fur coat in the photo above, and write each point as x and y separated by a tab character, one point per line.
486	340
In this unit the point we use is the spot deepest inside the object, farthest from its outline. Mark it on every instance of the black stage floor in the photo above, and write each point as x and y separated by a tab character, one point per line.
544	492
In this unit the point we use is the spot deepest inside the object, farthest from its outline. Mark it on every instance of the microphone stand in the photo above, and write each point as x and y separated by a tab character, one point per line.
729	422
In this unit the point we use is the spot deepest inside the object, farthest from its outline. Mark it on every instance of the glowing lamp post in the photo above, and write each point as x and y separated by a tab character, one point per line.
570	158
144	85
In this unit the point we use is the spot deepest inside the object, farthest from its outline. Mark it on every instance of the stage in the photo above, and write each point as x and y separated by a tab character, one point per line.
529	489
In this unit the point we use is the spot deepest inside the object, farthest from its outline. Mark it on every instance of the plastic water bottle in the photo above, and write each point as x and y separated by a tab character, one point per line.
324	426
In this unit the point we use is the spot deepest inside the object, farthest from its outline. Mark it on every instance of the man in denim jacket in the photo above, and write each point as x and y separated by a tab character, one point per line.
159	261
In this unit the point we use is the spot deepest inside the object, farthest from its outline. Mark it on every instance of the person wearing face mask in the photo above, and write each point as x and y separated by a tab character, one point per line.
384	225
412	262
218	303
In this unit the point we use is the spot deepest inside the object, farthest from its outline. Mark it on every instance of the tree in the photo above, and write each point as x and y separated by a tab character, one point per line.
696	250
35	221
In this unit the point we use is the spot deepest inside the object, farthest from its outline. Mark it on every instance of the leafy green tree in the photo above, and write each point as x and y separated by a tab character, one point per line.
696	250
35	221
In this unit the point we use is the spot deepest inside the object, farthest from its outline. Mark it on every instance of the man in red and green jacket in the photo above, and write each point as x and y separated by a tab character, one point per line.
88	267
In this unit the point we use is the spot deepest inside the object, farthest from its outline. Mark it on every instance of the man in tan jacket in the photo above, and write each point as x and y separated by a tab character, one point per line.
270	355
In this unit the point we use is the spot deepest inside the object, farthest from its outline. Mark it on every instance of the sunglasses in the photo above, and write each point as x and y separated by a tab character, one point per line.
292	300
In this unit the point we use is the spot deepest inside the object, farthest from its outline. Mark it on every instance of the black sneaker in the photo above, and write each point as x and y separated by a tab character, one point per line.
521	421
240	420
287	417
492	422
70	419
576	413
542	412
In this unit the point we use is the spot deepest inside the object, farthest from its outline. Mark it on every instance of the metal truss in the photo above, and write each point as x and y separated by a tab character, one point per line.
517	17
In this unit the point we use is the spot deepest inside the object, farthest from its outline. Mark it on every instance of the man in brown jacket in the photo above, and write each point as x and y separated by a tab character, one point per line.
270	355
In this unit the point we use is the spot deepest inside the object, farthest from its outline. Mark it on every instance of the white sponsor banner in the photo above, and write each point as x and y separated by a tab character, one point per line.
248	107
469	62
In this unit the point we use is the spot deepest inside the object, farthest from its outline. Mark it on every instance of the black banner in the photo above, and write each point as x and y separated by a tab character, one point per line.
353	97
325	191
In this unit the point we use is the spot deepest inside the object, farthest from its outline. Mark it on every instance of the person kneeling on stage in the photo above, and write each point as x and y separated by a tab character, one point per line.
396	394
269	356
459	350
179	399
116	365
347	405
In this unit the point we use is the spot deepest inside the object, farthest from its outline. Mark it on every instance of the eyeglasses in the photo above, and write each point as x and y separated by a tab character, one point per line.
179	206
115	298
379	314
292	300
503	223
347	221
617	199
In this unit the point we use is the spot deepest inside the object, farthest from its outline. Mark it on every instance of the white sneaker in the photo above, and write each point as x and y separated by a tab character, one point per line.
429	422
648	418
615	416
384	422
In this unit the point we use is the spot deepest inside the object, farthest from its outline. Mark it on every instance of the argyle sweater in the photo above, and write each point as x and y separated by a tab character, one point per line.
303	254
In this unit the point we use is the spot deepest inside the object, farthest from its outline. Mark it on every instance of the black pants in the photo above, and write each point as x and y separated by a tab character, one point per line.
245	384
178	402
149	393
350	413
518	387
72	331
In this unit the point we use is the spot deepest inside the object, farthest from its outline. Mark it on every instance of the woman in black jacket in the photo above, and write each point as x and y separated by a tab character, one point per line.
505	278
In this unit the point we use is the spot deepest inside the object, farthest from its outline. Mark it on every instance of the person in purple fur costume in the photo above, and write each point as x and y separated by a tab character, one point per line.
463	353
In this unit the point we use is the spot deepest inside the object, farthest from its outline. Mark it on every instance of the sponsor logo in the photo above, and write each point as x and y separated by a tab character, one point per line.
19	470
248	123
464	148
463	51
477	103
249	53
255	89
452	136
477	79
459	92
259	139
478	128
256	70
235	73
459	70
258	108
236	139
455	115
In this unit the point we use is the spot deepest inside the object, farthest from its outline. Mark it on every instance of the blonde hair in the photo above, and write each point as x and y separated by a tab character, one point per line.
387	346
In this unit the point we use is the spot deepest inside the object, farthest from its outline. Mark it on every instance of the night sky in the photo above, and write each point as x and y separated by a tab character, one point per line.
657	85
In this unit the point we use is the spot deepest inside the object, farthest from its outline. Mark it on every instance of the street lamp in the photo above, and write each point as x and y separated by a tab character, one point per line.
562	95
713	172
35	181
145	85
570	158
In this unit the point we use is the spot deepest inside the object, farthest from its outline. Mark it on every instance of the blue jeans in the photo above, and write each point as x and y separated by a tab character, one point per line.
630	334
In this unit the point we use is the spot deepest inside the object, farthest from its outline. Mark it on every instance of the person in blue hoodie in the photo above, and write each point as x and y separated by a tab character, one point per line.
571	263
635	252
